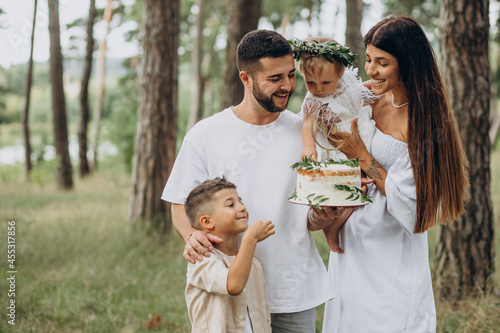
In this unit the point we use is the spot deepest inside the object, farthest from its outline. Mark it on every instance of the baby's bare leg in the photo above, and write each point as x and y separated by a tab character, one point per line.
332	236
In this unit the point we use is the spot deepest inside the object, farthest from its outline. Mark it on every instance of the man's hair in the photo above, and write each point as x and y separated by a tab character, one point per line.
259	44
314	64
200	200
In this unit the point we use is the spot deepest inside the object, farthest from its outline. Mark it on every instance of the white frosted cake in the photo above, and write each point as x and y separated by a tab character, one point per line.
328	183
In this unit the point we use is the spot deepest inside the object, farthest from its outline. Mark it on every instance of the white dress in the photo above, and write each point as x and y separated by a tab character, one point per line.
344	104
382	280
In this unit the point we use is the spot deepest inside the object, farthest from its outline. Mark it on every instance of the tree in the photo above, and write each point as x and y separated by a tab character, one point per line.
425	11
244	18
84	94
154	149
25	114
198	83
64	178
353	37
465	251
108	12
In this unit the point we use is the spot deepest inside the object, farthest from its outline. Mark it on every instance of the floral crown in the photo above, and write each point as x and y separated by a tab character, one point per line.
329	50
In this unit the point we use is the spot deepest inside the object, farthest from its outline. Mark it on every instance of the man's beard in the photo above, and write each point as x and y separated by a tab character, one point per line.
267	102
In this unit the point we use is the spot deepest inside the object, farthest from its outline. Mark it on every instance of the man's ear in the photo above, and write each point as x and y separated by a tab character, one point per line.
245	79
206	223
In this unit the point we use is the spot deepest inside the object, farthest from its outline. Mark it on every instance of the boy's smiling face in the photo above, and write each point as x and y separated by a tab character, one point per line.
229	215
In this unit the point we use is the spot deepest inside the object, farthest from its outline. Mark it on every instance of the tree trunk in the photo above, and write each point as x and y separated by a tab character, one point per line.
84	94
197	88
64	178
244	17
25	114
154	150
353	37
101	62
465	252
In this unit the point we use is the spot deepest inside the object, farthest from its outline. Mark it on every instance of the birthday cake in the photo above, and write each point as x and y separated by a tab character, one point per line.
332	183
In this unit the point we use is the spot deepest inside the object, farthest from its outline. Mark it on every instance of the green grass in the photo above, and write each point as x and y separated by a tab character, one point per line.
79	270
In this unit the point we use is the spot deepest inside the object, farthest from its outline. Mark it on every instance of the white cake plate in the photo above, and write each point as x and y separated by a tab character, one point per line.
345	205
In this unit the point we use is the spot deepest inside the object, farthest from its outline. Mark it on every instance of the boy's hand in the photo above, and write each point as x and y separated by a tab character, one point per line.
259	230
309	151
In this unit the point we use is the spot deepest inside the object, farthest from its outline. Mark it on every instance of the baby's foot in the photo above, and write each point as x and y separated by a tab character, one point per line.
332	238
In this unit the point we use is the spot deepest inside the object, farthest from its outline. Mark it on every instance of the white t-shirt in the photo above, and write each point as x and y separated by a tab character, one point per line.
257	158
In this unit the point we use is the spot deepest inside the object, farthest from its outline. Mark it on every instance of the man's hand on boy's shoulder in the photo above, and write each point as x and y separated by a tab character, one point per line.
199	244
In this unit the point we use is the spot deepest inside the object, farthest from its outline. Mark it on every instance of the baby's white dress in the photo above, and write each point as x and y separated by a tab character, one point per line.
347	102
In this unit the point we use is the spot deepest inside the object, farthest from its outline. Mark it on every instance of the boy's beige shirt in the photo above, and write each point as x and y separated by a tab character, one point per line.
212	309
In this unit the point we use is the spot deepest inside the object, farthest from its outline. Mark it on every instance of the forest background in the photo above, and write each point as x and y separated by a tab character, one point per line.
88	260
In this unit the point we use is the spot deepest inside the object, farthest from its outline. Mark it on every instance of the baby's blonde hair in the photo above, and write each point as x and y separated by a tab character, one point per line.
315	65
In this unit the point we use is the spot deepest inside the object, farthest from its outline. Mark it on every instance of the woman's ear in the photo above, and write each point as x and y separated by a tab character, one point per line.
206	223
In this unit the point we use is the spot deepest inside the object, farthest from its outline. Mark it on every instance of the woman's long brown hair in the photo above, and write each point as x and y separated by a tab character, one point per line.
436	153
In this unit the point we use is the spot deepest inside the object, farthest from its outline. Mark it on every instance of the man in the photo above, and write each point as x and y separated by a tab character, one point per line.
254	144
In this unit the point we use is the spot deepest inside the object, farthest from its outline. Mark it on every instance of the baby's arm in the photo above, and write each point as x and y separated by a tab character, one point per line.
308	140
239	270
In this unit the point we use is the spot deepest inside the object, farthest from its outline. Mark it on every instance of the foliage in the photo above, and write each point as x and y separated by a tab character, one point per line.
425	11
330	51
279	13
316	200
355	191
122	120
307	163
77	28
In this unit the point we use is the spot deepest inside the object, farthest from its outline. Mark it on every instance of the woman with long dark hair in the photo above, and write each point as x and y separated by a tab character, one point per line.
418	166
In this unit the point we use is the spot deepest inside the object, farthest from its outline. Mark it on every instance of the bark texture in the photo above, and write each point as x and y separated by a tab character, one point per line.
64	176
198	84
101	73
244	17
25	114
353	37
154	150
465	252
84	94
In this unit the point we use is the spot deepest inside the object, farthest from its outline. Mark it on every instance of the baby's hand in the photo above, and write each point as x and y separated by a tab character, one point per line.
309	151
260	230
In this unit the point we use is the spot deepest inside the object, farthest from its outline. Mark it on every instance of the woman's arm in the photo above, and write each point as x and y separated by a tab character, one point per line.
353	147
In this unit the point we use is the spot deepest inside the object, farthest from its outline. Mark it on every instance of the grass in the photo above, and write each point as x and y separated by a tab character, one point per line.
79	270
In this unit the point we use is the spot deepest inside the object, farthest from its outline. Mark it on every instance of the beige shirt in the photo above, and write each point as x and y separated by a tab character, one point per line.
212	309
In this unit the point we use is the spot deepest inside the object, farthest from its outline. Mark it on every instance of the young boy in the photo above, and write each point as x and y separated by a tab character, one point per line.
226	291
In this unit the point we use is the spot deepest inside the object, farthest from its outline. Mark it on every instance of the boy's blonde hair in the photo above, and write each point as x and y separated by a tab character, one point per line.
314	64
201	199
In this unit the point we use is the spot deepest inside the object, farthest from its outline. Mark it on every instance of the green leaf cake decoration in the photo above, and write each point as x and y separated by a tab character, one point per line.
329	50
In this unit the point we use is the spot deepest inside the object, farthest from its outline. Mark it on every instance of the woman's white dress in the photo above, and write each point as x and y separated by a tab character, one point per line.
382	280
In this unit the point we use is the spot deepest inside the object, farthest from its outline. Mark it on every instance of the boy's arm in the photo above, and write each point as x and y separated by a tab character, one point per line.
239	271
